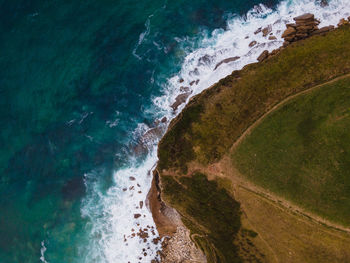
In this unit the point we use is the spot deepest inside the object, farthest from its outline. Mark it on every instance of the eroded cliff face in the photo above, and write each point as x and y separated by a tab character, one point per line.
198	200
177	245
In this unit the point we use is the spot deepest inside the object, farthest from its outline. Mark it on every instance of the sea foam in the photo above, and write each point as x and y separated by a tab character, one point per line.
112	214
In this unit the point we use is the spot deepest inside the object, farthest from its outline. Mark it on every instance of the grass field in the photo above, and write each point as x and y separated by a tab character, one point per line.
302	152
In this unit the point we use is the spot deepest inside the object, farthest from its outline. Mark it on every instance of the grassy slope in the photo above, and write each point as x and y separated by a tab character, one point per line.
214	119
207	210
302	152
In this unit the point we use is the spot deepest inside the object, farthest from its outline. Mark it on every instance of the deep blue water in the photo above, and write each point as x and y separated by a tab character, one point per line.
74	84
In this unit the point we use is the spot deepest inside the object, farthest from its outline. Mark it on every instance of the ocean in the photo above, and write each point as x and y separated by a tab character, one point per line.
84	89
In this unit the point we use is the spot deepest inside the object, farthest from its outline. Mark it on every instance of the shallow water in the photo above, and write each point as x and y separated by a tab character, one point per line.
80	84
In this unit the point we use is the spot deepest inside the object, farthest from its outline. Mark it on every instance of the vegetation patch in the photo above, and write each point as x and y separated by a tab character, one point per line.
210	213
302	151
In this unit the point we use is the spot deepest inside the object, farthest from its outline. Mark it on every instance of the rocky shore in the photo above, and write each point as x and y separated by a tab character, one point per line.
177	245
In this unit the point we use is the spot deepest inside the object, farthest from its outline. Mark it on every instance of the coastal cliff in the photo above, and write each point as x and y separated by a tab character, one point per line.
207	207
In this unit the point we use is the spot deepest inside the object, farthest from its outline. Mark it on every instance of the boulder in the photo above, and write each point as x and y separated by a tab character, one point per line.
272	38
322	30
290	31
252	44
264	55
267	30
304	18
164	120
226	60
311	23
343	22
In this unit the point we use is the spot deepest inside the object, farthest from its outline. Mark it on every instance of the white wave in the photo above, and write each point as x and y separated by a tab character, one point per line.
141	38
112	214
42	252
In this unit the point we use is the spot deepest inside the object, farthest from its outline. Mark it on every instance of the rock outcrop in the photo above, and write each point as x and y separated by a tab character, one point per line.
303	27
181	99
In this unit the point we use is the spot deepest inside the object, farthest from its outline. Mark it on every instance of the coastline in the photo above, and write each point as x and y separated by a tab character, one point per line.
167	219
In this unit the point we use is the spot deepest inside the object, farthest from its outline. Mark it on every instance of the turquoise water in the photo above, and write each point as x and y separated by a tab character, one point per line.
76	79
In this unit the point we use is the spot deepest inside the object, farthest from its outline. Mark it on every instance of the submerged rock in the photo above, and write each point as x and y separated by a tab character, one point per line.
267	30
253	43
137	215
205	60
324	3
343	22
257	31
184	89
226	60
180	99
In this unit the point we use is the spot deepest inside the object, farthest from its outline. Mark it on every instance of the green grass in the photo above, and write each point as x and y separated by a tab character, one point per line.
215	118
302	152
209	212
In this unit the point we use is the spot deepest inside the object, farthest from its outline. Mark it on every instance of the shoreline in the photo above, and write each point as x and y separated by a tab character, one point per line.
169	224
